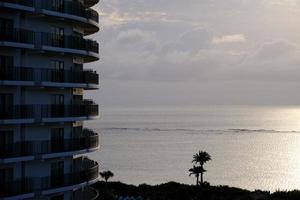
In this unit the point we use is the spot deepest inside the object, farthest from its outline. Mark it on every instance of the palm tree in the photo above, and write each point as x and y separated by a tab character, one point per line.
106	175
201	158
196	170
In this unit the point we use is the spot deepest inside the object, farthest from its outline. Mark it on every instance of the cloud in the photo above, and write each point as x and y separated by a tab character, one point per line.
235	38
113	18
196	39
276	49
154	51
207	42
177	57
275	61
133	36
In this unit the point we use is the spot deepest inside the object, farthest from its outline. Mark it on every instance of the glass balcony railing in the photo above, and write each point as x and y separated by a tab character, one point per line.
87	140
69	41
63	111
8	112
48	39
48	75
62	6
70	7
14	112
86	193
29	3
17	35
83	170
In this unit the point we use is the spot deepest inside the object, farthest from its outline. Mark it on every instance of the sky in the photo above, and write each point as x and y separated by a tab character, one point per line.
198	52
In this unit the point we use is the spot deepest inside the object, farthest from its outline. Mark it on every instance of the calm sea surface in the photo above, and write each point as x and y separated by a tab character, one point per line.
251	147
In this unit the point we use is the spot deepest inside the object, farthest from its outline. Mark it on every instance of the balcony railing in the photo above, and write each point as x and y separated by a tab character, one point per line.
62	111
86	193
90	3
87	140
84	170
9	112
61	6
17	35
70	7
29	3
70	41
93	15
16	112
48	39
48	75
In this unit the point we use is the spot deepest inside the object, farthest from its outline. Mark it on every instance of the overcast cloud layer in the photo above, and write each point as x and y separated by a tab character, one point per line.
174	52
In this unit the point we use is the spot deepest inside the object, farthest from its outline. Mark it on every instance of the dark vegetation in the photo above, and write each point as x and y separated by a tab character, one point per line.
199	158
177	191
106	175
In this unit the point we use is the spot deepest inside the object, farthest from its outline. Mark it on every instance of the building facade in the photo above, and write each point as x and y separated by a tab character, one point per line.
43	48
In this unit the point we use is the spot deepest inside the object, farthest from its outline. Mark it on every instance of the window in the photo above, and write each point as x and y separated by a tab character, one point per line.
58	5
6	175
6	108
57	139
57	74
57	64
58	37
58	99
58	107
6	99
7	61
6	64
6	26
6	142
57	173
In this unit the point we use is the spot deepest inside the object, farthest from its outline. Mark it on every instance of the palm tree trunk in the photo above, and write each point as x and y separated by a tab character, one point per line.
201	164
201	178
197	179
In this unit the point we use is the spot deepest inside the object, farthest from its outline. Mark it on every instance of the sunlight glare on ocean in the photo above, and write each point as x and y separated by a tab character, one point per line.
252	147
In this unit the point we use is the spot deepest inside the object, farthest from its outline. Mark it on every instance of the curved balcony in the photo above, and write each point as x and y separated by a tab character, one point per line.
28	3
71	44
85	171
40	77
68	111
68	10
20	38
86	193
72	10
14	113
23	114
90	3
88	142
24	5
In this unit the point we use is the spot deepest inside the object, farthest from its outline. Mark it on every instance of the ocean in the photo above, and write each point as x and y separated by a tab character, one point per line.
252	147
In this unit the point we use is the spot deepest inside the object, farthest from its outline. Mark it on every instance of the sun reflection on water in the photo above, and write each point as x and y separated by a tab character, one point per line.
263	152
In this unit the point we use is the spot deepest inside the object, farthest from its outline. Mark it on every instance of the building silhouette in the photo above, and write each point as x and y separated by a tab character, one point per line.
43	48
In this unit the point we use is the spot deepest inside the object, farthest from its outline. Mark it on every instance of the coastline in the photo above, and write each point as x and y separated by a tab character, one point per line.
178	191
252	147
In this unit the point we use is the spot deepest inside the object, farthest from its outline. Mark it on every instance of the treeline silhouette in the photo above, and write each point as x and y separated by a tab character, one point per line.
176	191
